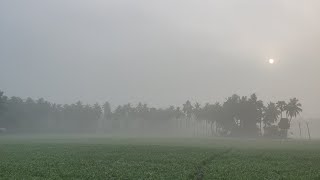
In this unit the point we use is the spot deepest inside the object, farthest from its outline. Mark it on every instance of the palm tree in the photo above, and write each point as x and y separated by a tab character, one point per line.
260	109
196	110
281	105
271	114
107	115
256	110
3	100
187	109
196	113
293	108
217	116
178	114
97	111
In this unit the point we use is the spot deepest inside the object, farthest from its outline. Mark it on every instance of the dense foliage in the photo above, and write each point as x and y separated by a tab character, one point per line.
236	116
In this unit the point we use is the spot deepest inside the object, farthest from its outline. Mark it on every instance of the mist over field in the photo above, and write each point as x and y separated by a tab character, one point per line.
162	52
167	89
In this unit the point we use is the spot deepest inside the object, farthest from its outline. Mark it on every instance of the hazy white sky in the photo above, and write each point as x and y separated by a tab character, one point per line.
160	52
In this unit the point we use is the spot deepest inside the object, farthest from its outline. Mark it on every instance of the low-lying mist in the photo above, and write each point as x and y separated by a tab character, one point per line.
235	117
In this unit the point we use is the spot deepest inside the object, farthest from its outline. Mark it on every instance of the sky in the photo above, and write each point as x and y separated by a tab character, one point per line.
160	52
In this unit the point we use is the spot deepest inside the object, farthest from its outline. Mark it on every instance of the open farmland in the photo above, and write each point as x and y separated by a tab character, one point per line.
72	157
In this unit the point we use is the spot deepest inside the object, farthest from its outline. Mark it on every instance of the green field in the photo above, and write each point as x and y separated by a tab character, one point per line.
89	157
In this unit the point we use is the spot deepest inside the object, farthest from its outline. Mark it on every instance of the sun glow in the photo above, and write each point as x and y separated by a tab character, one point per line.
271	61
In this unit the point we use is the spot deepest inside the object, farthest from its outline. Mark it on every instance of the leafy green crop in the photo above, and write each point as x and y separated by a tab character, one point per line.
148	159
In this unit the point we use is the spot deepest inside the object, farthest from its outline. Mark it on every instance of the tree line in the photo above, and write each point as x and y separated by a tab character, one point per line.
236	116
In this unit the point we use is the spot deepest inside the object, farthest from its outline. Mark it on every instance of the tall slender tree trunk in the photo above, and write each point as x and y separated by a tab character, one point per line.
208	130
206	127
308	130
186	122
177	123
211	128
194	128
300	129
260	127
289	125
216	128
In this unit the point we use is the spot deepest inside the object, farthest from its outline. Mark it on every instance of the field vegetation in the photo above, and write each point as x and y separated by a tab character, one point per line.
91	157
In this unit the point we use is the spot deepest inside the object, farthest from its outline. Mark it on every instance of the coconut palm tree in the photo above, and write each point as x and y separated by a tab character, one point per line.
293	109
196	114
260	110
3	100
187	109
178	114
281	105
271	114
197	110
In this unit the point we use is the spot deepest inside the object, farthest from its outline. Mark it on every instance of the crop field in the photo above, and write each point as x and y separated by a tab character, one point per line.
80	157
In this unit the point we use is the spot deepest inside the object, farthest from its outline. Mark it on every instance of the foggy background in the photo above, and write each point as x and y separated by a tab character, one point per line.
160	52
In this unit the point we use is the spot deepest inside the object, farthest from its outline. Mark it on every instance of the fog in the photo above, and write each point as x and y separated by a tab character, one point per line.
161	53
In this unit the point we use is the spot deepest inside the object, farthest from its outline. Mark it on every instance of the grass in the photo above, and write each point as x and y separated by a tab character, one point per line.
91	157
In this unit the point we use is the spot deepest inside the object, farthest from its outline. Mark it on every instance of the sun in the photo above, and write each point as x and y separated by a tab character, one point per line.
271	61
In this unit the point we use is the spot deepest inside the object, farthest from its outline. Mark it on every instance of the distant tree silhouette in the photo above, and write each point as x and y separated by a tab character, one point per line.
293	108
96	113
256	111
107	115
3	101
236	116
284	125
281	105
271	114
187	109
3	107
217	116
178	116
